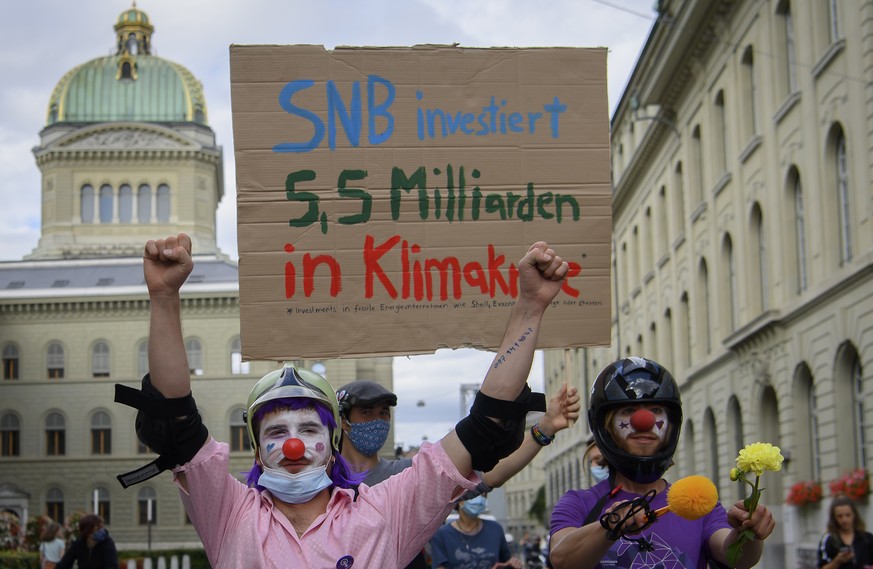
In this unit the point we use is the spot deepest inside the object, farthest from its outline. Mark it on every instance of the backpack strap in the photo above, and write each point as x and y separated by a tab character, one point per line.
595	512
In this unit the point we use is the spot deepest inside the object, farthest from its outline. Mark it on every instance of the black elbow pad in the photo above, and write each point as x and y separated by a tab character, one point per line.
489	441
159	426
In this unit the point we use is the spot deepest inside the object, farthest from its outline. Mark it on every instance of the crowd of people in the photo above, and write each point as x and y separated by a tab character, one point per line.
319	495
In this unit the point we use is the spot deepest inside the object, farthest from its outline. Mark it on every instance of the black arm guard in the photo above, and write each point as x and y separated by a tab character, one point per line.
158	427
488	441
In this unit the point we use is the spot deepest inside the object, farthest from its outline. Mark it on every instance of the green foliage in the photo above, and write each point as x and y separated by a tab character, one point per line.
198	556
19	560
30	560
537	509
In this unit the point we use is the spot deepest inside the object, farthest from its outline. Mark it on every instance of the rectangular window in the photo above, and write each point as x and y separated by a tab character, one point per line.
101	441
55	510
239	438
55	443
9	443
143	512
10	368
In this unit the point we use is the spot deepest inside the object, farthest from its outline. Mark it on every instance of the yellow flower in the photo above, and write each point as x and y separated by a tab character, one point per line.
758	457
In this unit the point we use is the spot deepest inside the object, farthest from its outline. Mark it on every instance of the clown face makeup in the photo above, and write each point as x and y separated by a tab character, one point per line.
304	424
641	429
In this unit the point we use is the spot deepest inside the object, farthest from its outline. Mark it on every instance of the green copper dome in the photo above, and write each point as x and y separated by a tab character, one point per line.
131	85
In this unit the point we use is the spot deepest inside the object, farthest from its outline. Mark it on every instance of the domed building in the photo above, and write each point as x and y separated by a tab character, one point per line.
126	154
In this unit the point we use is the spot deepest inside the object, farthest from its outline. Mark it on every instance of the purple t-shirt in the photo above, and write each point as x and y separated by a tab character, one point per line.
676	543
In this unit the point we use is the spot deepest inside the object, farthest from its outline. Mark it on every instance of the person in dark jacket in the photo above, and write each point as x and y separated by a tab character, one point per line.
94	549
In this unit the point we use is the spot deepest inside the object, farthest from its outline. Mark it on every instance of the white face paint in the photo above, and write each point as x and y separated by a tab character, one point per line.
621	423
303	424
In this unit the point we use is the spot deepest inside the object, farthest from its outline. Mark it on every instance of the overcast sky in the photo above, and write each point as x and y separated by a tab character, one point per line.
40	40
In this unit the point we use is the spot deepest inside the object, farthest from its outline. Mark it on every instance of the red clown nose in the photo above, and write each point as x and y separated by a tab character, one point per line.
293	449
642	420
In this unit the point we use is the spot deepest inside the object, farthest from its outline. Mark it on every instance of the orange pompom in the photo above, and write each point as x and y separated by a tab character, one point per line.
692	497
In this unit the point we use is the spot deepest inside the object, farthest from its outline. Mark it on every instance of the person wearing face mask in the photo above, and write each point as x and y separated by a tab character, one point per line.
94	548
365	410
635	414
471	542
303	505
595	462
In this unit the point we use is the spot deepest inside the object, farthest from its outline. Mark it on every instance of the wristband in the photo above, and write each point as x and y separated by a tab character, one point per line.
539	437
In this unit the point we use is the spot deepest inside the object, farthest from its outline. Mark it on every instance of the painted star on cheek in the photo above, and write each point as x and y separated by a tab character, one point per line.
660	424
270	447
623	425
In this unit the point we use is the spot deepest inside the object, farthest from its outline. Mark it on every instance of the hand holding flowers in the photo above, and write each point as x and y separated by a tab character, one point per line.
756	457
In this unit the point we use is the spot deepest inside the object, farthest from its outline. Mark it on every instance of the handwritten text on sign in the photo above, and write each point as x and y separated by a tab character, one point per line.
377	184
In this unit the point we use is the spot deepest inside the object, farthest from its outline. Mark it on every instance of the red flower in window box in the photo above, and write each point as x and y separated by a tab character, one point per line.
855	485
804	493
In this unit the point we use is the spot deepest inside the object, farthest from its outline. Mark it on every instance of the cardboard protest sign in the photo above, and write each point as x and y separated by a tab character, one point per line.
385	195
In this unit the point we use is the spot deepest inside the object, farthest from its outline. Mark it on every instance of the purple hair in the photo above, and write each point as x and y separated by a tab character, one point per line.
341	473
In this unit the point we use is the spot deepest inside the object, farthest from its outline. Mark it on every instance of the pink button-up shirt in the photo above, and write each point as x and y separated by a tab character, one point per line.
385	527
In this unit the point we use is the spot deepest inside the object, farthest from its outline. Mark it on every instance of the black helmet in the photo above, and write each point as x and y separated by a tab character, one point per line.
628	381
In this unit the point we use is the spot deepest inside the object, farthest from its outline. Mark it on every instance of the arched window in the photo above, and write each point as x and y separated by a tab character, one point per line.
237	365
750	88
142	358
760	241
806	426
101	433
685	329
195	356
126	72
799	230
720	133
55	434
54	360
790	57
663	225
710	436
54	503
144	204
239	436
653	339
851	417
730	267
705	306
679	198
670	352
125	204
636	273
844	203
10	361
107	203
103	506
86	206
691	457
768	415
697	164
147	505
163	207
834	28
735	434
10	435
100	360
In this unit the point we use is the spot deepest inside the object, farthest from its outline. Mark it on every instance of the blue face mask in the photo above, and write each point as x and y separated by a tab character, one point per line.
368	438
474	507
295	488
599	473
99	535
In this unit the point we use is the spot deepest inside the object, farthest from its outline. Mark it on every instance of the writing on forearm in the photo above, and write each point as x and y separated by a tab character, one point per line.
511	349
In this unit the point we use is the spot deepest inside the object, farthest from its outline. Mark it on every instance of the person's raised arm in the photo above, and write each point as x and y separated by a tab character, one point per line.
561	412
166	265
541	274
761	523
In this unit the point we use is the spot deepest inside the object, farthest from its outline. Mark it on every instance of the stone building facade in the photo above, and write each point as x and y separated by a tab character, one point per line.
743	245
126	155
